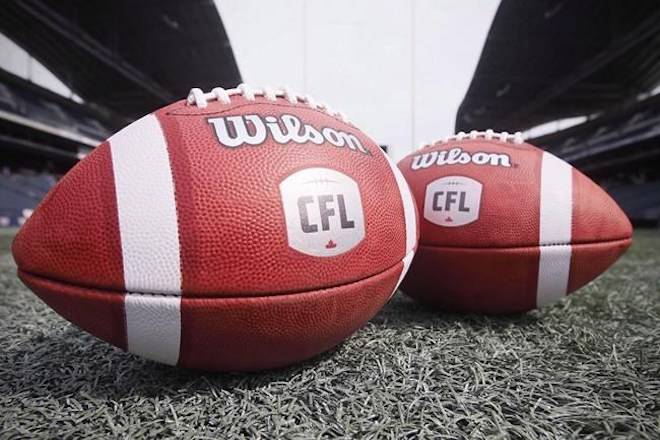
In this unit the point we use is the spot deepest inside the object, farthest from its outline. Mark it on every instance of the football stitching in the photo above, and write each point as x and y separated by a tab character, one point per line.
200	99
169	295
615	240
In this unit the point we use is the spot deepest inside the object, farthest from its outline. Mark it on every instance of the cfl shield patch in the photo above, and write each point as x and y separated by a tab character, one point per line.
452	201
323	212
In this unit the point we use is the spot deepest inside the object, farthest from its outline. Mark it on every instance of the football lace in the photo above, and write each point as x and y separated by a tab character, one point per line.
513	138
200	99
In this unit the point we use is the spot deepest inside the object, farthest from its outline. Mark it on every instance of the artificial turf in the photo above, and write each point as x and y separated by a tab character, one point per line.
588	367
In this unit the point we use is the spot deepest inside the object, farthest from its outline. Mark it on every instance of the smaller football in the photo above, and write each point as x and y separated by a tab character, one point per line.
504	226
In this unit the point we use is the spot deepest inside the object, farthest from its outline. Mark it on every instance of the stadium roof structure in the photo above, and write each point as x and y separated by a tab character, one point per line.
544	61
125	56
629	136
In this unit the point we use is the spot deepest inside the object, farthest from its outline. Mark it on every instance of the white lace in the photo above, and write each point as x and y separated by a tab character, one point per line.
200	99
514	138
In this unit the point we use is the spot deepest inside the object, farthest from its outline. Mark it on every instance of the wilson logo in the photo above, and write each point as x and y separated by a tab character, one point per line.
458	156
236	131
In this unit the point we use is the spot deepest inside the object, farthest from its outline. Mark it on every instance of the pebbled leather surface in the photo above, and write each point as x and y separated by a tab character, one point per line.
73	234
98	312
238	191
235	334
496	280
596	216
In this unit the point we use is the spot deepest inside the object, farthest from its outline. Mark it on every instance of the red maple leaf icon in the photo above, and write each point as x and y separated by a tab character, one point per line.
330	245
449	220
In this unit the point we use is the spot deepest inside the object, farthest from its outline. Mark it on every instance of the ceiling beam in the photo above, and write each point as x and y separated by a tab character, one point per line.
646	29
51	20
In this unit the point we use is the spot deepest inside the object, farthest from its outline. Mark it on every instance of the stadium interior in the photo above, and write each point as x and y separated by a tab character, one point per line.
587	366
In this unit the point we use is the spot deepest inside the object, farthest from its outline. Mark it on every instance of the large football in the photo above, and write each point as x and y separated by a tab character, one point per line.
505	226
239	229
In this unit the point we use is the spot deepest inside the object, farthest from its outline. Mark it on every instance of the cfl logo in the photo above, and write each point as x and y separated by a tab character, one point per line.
448	200
452	201
323	212
324	203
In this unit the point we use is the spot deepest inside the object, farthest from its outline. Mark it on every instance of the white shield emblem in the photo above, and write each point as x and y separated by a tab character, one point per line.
323	212
452	201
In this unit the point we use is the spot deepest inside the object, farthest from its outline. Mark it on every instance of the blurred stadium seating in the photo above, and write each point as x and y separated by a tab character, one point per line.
640	201
20	192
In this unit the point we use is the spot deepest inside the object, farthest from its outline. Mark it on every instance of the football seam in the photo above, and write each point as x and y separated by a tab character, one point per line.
202	297
535	246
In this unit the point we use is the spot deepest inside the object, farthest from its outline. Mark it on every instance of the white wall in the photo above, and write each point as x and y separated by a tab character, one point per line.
371	59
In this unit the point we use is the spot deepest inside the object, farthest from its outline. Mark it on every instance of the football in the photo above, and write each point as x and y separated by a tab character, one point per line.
504	226
239	229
